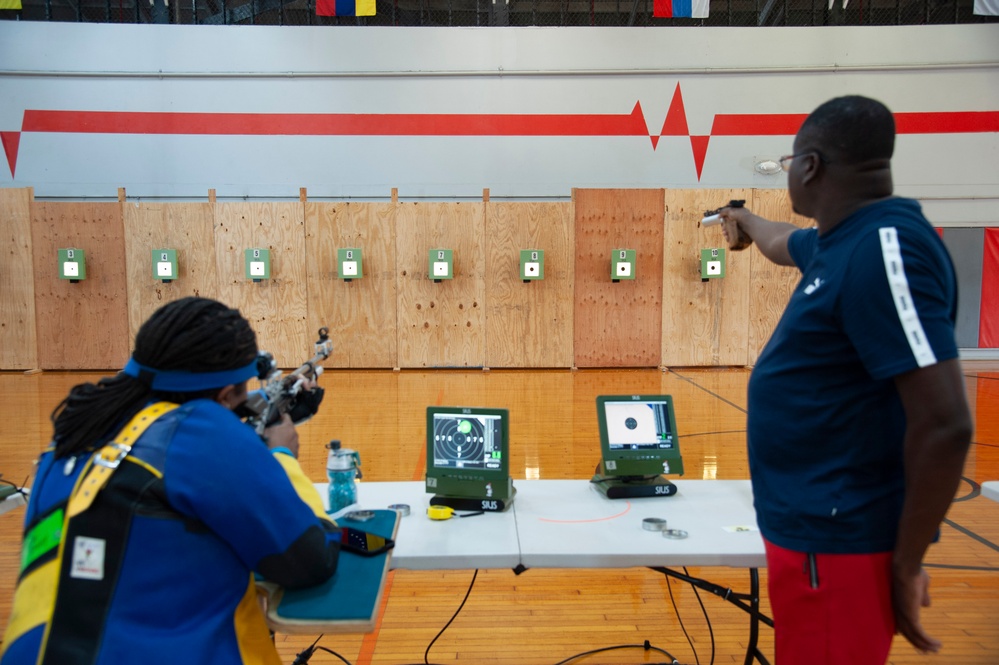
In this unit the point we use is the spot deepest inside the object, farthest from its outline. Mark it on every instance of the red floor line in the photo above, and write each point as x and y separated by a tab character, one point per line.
370	640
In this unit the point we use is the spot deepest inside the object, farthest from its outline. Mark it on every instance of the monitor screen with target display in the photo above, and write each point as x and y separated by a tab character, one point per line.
468	452
638	435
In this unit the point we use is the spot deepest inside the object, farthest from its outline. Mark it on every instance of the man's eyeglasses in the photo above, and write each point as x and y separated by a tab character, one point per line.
785	161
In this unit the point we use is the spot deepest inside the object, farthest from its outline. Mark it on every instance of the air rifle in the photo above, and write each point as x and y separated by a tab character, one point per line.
287	394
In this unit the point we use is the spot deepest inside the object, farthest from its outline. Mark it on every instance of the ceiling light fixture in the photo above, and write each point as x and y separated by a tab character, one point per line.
767	167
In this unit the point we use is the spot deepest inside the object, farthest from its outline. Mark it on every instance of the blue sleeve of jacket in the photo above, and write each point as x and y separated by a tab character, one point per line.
218	471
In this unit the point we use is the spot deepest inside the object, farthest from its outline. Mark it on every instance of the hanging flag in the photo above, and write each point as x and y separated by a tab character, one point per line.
987	7
11	4
341	7
684	8
988	313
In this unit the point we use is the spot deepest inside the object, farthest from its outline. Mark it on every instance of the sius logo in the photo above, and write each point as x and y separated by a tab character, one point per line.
811	288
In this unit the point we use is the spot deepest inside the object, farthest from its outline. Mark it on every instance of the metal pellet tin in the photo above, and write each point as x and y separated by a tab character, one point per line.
653	524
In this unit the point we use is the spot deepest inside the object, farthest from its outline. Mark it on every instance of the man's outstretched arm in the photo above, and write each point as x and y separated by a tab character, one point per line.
770	237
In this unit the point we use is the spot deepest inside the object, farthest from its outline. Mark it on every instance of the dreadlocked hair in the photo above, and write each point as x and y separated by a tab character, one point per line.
191	334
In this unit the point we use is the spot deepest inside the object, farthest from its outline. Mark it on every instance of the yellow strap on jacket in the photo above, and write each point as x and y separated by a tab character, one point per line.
110	456
34	598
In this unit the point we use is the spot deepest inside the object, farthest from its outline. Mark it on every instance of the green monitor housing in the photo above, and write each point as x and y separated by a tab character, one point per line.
638	436
468	453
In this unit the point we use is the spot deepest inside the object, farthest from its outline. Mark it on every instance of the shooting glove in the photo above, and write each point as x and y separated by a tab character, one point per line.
306	405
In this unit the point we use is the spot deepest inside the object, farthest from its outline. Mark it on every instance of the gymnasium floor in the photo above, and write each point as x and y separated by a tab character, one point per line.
544	617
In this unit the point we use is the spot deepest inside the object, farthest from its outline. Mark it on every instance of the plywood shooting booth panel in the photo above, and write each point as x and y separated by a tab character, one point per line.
396	314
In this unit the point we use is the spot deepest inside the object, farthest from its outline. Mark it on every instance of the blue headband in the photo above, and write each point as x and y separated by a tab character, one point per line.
181	381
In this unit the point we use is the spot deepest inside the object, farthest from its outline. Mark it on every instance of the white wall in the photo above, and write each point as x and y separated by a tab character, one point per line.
565	72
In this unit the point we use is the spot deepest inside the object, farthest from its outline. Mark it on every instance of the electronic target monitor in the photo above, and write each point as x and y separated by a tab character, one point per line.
468	457
638	435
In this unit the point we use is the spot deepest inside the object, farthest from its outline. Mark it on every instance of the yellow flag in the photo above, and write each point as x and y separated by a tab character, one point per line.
10	4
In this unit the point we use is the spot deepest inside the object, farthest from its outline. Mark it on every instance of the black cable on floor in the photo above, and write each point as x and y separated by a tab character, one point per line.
704	611
305	654
646	646
676	610
426	654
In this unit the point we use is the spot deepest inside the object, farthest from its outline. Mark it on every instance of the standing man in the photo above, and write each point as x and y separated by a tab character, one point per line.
858	421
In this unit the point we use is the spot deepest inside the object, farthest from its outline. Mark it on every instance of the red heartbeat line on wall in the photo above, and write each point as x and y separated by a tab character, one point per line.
462	124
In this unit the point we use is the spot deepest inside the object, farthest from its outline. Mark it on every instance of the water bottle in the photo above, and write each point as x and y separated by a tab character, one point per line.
342	467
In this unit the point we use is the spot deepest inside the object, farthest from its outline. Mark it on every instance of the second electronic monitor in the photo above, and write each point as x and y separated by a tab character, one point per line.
638	435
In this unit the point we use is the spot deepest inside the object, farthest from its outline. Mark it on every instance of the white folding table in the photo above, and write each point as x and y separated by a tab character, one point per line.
569	524
483	541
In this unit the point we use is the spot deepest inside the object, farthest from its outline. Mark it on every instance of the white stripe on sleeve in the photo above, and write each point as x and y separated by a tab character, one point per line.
891	252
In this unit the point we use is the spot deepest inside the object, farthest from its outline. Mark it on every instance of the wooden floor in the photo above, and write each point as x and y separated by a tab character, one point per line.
542	617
